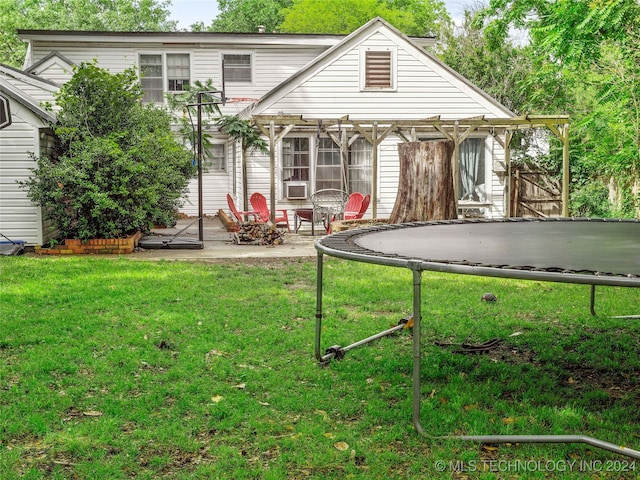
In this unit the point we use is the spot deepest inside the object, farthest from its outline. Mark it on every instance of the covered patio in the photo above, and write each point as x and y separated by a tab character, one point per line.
344	130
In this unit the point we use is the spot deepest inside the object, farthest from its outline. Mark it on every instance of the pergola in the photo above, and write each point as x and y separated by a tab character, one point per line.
275	127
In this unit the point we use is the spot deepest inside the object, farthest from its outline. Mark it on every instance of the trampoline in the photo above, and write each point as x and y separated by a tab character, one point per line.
583	251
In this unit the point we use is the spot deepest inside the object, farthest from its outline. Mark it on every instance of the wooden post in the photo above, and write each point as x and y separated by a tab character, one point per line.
425	186
508	135
566	174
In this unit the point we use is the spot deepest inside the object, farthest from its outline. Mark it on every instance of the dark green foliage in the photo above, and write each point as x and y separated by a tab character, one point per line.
184	107
242	130
248	15
586	63
96	15
119	169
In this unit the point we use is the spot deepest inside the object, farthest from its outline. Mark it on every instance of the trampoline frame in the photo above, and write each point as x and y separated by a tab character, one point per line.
340	245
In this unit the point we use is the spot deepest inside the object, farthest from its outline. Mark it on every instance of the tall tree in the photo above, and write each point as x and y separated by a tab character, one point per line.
588	51
249	15
106	15
412	17
499	71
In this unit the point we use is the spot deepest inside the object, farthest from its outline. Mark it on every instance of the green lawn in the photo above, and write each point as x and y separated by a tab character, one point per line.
116	368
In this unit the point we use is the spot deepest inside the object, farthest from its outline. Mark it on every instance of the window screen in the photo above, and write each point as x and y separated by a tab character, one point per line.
237	68
178	71
151	82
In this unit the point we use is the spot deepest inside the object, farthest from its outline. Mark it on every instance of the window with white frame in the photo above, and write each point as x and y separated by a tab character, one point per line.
237	67
295	159
359	167
178	71
472	168
215	160
160	73
322	165
328	165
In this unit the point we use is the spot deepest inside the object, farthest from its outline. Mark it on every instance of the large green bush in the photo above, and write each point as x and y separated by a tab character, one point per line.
118	167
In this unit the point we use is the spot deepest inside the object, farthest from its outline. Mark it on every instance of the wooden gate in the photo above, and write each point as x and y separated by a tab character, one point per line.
535	194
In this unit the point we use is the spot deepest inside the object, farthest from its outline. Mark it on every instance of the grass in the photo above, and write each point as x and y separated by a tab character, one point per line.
115	368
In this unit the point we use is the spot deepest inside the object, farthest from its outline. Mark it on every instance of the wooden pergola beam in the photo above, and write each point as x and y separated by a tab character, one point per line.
453	129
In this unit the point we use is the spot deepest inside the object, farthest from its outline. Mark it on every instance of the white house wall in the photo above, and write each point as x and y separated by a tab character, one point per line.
19	218
310	77
271	66
423	89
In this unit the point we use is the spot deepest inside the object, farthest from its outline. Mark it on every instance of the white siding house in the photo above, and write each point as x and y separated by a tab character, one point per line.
374	74
29	134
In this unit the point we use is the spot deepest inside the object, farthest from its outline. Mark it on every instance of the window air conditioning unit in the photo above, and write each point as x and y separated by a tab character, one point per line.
296	191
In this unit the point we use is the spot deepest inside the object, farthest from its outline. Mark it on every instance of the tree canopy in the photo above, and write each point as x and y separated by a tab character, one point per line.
104	15
586	64
413	17
248	15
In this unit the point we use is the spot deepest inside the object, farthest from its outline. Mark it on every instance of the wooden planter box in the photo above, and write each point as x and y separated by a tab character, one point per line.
109	246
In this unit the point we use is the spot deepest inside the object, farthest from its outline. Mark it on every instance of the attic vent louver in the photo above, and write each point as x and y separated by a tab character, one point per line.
378	69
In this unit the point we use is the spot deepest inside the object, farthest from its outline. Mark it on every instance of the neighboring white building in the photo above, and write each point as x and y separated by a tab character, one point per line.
29	133
339	84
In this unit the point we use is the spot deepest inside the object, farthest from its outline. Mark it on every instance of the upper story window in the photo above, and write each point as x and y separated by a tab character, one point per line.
170	72
377	69
237	67
178	71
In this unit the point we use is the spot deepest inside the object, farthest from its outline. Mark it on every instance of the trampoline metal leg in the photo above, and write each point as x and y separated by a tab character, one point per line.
337	351
592	306
417	319
318	335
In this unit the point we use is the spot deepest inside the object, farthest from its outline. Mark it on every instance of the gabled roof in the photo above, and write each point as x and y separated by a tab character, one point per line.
54	58
352	41
16	94
29	78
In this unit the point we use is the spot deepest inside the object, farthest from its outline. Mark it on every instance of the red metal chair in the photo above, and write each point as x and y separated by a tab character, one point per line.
240	215
353	206
259	204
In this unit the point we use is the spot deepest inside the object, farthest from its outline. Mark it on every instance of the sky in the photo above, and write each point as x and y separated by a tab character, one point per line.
187	12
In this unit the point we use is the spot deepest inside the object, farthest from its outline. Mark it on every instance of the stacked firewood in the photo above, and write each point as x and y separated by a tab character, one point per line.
254	233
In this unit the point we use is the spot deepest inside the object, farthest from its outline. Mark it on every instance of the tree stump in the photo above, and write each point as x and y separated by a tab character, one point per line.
425	187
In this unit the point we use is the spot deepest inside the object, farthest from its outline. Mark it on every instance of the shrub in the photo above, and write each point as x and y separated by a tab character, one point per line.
118	168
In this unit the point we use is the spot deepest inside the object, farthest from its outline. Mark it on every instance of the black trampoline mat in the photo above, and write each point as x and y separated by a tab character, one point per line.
594	246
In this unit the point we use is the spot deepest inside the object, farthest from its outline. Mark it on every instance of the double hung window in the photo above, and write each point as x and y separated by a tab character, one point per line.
318	163
160	73
295	159
216	160
237	67
471	182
